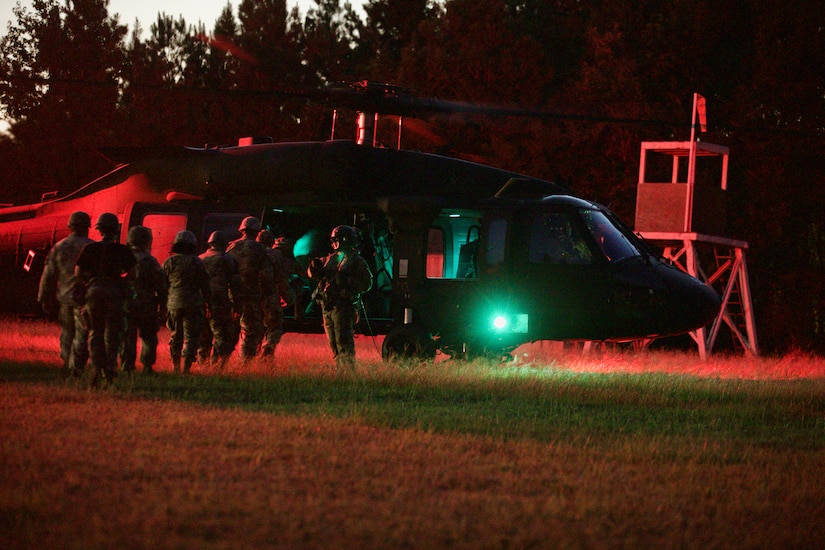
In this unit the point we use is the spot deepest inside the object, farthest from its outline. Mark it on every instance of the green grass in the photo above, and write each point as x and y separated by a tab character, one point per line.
612	450
544	407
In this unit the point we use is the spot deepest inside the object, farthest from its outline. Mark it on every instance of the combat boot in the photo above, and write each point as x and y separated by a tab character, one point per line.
176	363
187	365
219	361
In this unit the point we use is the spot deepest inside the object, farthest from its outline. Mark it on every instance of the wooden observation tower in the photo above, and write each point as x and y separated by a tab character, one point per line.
680	208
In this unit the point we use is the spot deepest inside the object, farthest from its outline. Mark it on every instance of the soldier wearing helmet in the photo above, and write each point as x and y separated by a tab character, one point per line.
219	337
108	225
273	314
148	306
294	273
54	294
256	278
107	269
341	277
190	294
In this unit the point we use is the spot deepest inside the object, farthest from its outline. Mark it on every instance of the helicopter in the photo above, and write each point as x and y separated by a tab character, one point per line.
468	260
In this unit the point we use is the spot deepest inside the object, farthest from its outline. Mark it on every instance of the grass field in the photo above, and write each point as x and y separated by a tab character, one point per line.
555	450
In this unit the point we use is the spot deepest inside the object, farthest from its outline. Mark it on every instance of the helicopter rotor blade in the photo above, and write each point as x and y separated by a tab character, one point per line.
389	99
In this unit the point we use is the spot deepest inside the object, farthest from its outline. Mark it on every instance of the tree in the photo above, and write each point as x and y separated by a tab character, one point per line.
328	40
52	59
391	27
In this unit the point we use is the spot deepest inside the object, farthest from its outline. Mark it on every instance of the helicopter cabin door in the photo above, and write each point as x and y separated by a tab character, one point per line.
556	263
451	271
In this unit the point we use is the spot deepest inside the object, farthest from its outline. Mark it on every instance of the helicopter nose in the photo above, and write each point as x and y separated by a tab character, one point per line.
705	305
697	303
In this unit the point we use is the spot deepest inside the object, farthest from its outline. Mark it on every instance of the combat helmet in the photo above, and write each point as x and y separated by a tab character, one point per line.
217	239
107	223
345	235
250	223
79	220
185	237
266	238
139	237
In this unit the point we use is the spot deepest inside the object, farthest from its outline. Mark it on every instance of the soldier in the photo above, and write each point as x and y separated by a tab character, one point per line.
107	267
342	277
147	309
189	294
273	314
256	276
294	273
225	279
55	294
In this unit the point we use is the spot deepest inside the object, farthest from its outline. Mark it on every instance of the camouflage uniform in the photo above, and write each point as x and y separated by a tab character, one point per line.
273	314
342	277
219	336
107	267
256	277
148	305
55	295
189	294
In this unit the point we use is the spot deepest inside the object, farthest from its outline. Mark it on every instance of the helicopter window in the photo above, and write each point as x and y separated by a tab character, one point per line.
613	243
453	244
554	239
435	253
496	238
164	227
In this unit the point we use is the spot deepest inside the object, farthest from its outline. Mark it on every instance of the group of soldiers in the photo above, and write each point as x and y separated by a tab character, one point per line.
107	296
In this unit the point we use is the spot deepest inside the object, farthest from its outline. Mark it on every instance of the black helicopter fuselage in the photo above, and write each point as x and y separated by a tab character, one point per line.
508	271
465	256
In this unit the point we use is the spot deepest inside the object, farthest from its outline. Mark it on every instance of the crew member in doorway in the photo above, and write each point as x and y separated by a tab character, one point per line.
298	297
342	276
256	277
108	268
55	293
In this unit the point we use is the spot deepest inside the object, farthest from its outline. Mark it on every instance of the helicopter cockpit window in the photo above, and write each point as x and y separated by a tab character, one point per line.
613	243
555	239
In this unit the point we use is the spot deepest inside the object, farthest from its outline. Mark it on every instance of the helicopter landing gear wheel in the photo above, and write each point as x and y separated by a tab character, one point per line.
408	342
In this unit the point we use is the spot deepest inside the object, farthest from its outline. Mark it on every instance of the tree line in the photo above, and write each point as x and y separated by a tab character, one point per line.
74	79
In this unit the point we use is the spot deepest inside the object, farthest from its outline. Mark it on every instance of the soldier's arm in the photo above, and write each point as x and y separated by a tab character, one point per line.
46	294
161	286
316	268
281	280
